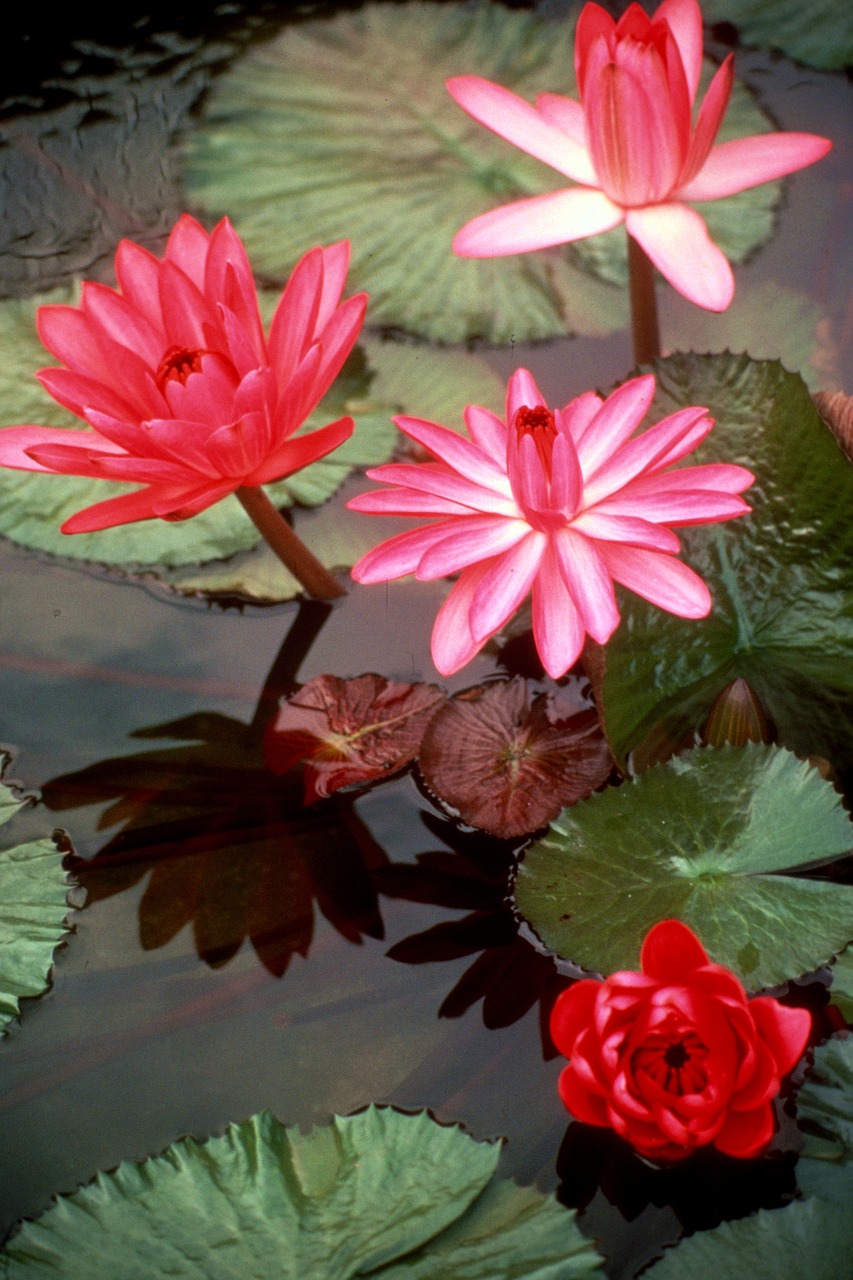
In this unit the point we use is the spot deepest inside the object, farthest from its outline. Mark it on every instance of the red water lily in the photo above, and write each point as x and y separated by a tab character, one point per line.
559	503
633	148
676	1057
184	393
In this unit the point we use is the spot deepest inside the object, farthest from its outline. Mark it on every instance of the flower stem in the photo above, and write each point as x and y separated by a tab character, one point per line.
293	554
644	307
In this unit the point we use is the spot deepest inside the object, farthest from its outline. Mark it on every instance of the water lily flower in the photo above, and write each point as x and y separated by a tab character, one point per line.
632	147
676	1057
561	503
182	391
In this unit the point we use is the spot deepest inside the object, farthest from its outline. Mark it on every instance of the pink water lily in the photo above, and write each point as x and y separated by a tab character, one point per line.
559	503
632	146
181	390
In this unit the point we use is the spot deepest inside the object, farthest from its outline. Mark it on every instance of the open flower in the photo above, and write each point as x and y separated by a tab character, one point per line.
185	394
676	1057
632	146
561	503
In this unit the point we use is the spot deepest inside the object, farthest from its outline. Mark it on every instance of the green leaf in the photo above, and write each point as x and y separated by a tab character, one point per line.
430	382
292	139
819	33
34	505
33	911
825	1112
808	1238
841	992
377	1193
698	839
781	578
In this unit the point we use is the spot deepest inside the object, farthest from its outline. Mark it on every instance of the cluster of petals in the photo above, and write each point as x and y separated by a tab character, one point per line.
676	1057
632	147
181	389
559	504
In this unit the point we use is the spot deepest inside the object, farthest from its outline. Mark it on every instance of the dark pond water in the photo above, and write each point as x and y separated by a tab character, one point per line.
237	952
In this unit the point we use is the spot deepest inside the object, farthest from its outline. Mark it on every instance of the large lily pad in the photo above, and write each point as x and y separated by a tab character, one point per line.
33	911
293	138
819	33
781	578
825	1111
700	839
34	505
379	1193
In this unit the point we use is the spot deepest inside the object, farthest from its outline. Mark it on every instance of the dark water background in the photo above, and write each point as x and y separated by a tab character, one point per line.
234	952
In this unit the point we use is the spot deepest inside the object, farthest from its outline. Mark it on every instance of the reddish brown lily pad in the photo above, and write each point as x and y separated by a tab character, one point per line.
508	760
347	732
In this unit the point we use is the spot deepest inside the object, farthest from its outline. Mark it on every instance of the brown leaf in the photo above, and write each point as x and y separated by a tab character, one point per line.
349	731
507	761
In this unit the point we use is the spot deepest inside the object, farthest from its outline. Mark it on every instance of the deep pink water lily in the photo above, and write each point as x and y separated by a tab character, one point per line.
559	503
633	147
181	390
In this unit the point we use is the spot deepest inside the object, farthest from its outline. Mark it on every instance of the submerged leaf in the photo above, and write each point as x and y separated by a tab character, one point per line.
508	761
380	1193
294	139
819	33
781	579
349	732
699	839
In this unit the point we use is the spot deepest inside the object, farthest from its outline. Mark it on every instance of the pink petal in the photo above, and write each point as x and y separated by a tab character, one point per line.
452	643
527	475
578	414
635	530
487	431
566	475
468	541
691	506
76	392
293	323
399	556
185	505
433	478
301	451
616	420
405	502
677	241
568	116
642	454
593	25
658	578
720	476
514	119
16	441
586	576
335	266
190	319
187	248
557	628
455	451
229	281
684	19
709	119
784	1030
747	162
338	339
122	510
538	222
521	392
504	585
121	323
671	951
138	274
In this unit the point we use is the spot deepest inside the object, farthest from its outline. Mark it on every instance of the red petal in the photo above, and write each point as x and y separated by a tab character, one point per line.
670	951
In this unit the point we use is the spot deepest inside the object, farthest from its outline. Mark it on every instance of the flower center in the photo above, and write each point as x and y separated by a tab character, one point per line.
676	1065
537	422
178	363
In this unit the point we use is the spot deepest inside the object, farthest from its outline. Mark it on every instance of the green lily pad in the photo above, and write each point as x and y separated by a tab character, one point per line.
698	839
379	1193
385	157
34	505
431	382
780	578
825	1111
819	33
806	1238
33	911
841	992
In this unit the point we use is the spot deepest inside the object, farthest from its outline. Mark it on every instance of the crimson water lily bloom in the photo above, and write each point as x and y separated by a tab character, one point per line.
676	1057
182	390
558	503
633	148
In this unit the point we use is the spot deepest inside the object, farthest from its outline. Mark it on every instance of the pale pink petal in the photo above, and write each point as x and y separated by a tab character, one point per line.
745	162
641	454
521	392
616	420
16	442
692	506
405	502
719	476
567	115
514	119
301	451
586	576
683	445
709	120
504	585
187	248
399	556
538	222
468	542
658	578
452	642
335	266
631	528
527	475
434	478
578	414
293	323
557	629
677	241
566	476
684	19
465	457
486	430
